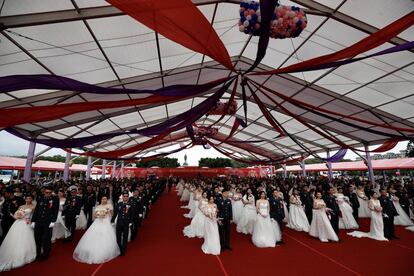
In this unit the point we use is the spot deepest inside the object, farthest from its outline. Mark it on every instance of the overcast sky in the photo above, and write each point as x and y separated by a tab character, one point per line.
13	146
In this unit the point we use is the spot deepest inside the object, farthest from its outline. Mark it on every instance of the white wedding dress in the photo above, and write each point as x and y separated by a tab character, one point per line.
237	207
196	227
59	230
186	194
321	226
248	216
179	188
377	224
347	221
81	222
402	219
194	201
211	243
98	244
297	217
190	202
263	232
363	210
18	247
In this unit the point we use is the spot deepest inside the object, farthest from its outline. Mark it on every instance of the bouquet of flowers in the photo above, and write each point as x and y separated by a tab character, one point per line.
100	213
19	214
378	208
287	21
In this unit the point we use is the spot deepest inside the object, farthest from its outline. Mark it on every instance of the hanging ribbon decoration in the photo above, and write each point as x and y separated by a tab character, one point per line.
195	115
53	82
376	39
21	115
178	20
267	8
244	98
315	109
332	138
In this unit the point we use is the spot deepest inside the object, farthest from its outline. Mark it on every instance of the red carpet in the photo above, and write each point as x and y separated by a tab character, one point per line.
161	249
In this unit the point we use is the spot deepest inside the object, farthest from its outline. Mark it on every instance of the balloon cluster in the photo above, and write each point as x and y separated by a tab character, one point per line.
205	131
227	108
250	18
287	21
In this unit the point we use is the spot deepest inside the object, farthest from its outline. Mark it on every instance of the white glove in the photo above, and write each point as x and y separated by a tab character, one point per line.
51	225
130	225
32	225
140	215
77	216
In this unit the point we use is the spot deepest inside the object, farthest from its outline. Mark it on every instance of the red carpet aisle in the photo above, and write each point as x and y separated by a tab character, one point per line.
161	249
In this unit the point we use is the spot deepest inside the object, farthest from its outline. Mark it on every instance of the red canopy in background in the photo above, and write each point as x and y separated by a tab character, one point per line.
14	163
263	171
383	164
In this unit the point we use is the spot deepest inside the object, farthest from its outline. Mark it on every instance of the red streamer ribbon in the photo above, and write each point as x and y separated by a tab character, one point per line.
366	44
178	20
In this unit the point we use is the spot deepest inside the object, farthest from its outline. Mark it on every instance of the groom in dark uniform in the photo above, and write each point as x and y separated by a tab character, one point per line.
71	211
353	200
225	216
330	201
277	211
137	210
43	220
123	212
388	212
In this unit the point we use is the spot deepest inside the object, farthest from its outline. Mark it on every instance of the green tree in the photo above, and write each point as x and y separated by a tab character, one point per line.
217	162
237	164
410	149
165	162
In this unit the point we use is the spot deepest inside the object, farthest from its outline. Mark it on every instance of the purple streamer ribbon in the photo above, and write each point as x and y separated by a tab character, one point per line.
52	82
338	156
178	122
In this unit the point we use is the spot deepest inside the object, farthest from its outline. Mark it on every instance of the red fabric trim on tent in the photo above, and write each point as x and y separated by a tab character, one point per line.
178	20
366	44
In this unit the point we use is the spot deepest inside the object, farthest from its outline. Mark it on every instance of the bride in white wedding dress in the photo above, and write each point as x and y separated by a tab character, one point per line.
98	244
297	217
196	227
321	227
211	243
19	247
248	215
377	225
263	231
403	218
363	210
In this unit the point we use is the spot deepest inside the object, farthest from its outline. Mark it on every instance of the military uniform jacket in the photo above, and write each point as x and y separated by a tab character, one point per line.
331	203
123	211
136	207
72	206
307	200
46	210
388	207
225	210
89	200
277	211
353	200
9	207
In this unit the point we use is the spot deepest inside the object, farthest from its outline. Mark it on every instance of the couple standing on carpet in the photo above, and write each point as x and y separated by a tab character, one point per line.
382	216
101	243
211	221
30	235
